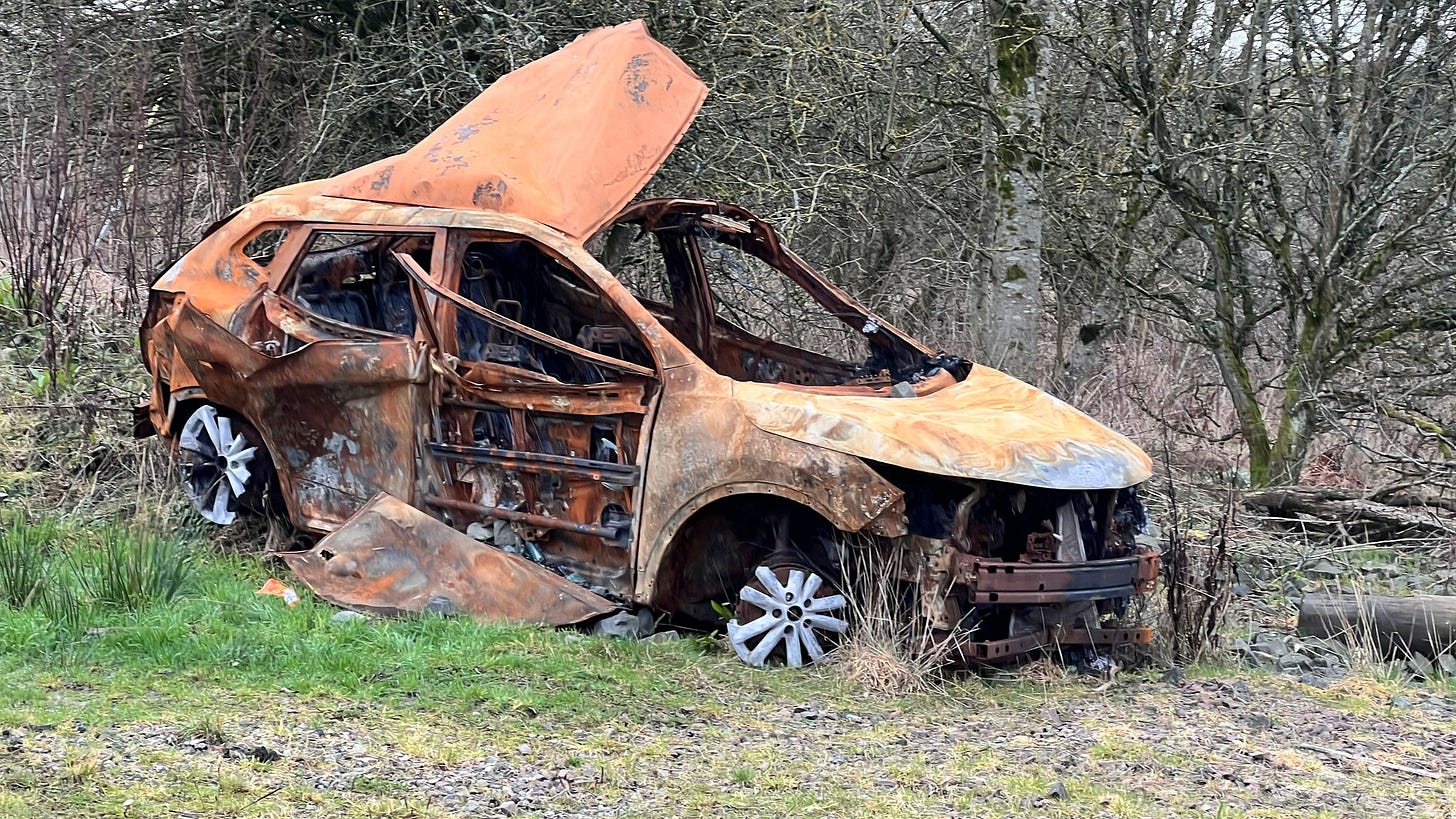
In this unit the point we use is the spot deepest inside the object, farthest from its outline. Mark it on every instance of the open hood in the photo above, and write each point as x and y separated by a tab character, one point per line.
989	427
566	140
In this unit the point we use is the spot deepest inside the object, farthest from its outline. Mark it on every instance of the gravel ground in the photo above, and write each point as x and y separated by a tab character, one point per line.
1206	746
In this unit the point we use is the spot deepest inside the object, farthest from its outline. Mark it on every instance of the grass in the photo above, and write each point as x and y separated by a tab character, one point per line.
114	715
22	563
65	576
224	633
136	569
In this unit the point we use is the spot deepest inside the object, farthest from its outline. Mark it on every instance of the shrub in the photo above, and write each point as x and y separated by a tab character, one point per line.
137	569
1198	575
23	548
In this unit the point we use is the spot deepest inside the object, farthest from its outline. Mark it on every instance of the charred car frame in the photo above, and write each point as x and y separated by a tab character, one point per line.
490	385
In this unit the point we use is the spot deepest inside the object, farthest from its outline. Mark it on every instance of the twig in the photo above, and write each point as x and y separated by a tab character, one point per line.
82	407
260	799
1365	760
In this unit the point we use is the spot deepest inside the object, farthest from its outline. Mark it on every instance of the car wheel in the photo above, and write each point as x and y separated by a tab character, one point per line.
789	612
216	457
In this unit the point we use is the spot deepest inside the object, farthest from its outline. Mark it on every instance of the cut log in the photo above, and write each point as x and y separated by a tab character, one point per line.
1391	625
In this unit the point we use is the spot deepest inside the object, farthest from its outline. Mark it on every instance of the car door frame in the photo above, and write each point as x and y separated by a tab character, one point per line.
602	399
331	457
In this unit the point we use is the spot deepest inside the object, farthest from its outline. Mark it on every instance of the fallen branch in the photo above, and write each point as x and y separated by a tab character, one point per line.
1390	511
1391	625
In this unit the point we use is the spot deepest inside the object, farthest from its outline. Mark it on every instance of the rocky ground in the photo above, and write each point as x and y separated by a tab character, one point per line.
1253	745
1274	575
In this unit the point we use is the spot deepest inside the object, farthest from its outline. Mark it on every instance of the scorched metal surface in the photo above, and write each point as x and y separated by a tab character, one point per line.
481	335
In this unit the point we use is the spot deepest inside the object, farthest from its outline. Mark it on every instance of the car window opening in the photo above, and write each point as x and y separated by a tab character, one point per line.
352	277
723	287
263	247
518	281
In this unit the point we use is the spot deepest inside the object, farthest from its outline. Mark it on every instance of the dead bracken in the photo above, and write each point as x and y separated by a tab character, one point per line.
494	387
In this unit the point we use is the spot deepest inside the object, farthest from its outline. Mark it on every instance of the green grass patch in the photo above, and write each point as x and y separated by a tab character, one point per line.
23	560
223	633
56	579
134	569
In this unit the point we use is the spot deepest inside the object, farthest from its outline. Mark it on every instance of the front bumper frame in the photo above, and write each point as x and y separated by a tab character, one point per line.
950	579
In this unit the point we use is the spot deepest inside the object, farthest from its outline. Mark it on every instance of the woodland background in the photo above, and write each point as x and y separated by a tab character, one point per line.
1223	227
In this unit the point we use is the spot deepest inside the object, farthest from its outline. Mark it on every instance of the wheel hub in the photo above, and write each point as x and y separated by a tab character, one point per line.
216	464
788	612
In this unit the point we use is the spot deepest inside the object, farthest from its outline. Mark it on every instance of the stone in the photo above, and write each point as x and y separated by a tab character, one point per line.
1173	676
1259	721
1295	662
667	636
347	616
646	622
1447	664
257	753
1419	666
1315	680
1324	567
623	625
1058	790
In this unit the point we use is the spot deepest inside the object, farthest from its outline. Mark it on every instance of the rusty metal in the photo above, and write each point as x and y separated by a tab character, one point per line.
537	462
961	648
988	427
391	558
447	366
565	141
1007	583
524	518
1150	566
1041	547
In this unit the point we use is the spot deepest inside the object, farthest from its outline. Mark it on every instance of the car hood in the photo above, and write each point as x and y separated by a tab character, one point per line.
988	427
566	140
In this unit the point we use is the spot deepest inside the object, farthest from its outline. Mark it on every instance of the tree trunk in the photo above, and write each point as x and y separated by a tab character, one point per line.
1012	306
1391	625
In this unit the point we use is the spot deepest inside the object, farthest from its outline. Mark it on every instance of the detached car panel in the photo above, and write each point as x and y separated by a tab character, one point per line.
493	389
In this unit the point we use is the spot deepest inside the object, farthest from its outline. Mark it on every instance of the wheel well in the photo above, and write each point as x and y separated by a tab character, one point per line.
712	554
183	411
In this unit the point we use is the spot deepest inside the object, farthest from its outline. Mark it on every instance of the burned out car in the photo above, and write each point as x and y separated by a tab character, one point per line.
490	385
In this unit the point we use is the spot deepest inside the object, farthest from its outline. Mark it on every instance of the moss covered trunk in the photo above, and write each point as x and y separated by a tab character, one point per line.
1014	176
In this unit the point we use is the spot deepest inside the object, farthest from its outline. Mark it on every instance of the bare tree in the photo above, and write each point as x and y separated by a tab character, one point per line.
1297	164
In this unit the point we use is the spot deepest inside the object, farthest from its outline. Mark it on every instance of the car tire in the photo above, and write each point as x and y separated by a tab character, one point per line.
222	465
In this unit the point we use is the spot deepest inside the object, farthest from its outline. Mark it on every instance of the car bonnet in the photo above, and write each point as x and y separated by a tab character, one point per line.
988	427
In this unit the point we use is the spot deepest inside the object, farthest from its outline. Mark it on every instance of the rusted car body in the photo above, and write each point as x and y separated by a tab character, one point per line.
657	404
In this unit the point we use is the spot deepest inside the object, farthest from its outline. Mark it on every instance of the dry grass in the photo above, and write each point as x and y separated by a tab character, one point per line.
888	649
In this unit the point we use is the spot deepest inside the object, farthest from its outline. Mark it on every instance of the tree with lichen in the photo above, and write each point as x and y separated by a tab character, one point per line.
1012	306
